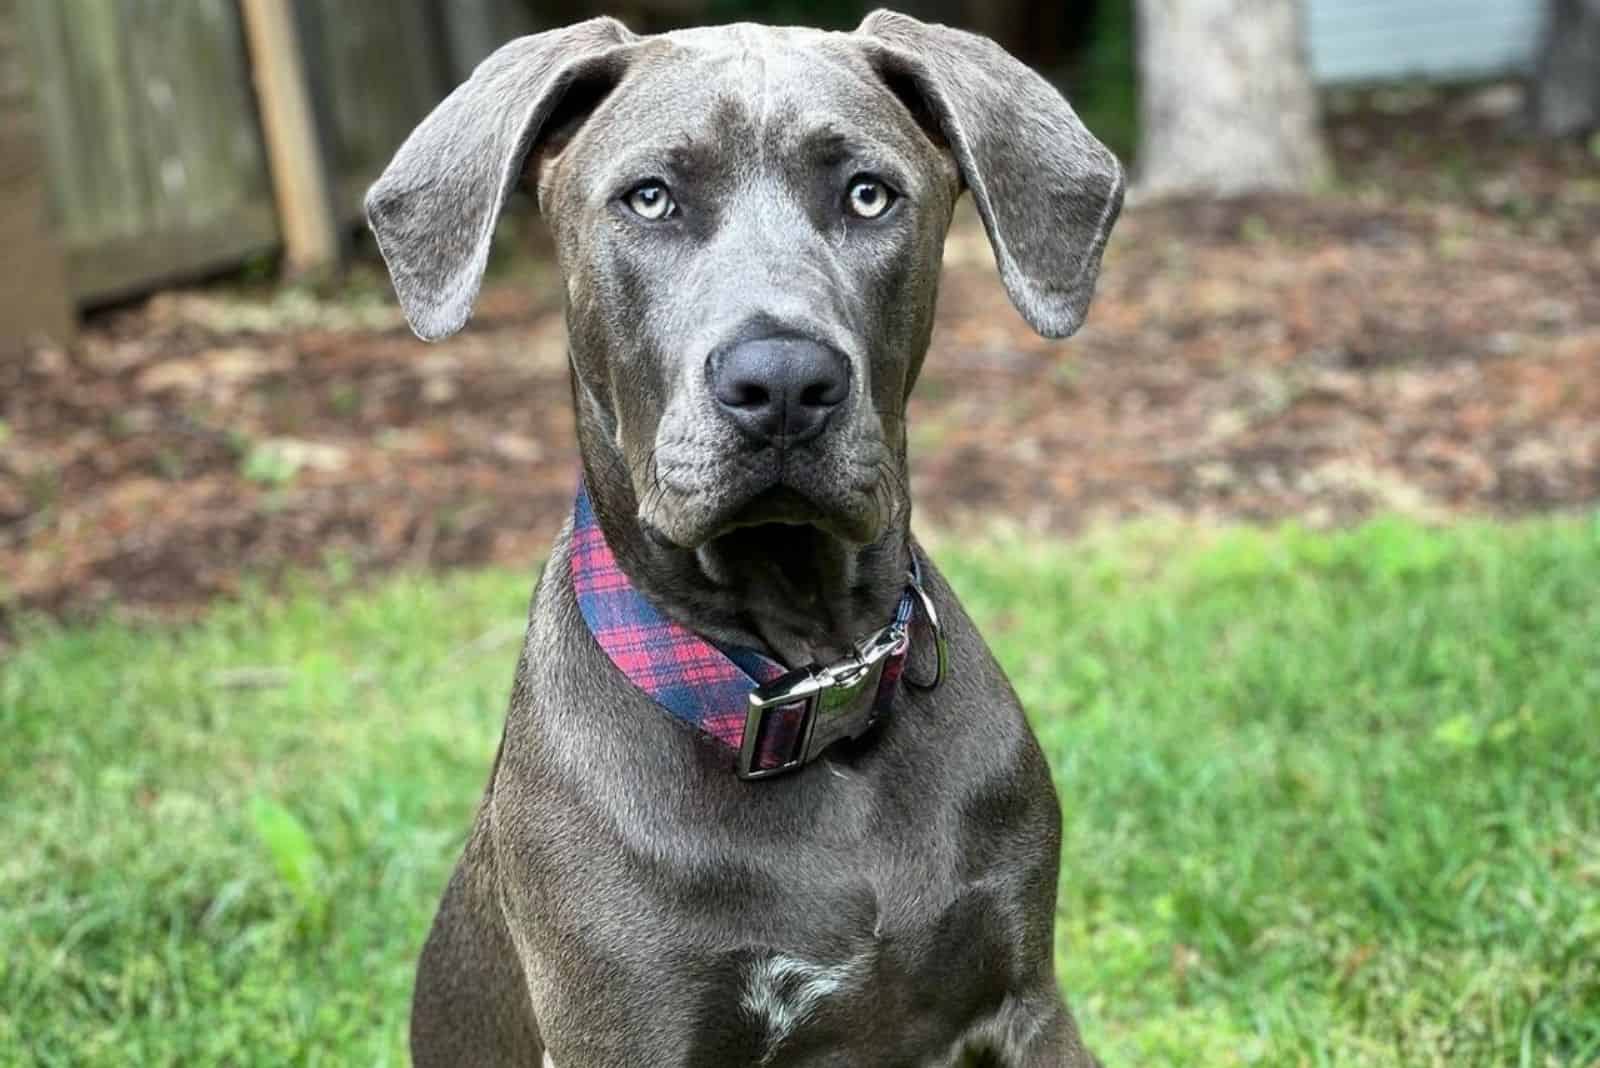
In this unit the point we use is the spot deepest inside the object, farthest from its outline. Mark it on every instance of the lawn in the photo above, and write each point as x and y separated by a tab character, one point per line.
1329	800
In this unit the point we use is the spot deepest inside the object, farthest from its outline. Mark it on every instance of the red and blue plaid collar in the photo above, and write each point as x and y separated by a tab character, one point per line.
774	719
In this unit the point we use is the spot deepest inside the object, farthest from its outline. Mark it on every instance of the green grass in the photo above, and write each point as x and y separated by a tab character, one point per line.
1329	800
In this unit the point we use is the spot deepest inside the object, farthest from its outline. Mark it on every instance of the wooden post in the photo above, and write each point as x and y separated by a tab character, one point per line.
35	302
301	180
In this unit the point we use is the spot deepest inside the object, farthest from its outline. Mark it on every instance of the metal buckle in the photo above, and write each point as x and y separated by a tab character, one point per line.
941	653
840	702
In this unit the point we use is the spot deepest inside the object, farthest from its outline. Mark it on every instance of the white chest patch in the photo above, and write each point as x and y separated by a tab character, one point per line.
782	991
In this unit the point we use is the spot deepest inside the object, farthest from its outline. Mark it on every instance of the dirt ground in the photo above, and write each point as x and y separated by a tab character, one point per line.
1422	337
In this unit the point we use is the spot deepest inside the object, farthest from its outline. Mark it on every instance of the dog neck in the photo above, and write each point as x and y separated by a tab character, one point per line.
796	592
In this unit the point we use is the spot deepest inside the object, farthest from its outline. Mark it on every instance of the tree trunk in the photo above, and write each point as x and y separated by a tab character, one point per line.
1566	88
1226	102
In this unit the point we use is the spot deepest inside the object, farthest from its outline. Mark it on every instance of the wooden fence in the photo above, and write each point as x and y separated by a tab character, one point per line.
378	68
33	294
155	165
143	124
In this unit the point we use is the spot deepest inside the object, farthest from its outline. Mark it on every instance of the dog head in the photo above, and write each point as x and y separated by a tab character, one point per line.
750	223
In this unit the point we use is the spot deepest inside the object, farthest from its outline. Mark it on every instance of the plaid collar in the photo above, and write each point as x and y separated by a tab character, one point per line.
775	720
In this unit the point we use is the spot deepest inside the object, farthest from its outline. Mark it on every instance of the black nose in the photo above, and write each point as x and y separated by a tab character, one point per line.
779	389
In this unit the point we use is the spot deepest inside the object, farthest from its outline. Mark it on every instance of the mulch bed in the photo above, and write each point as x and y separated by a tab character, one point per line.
1424	338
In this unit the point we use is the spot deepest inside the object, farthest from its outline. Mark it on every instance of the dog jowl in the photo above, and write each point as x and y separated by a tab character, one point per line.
749	223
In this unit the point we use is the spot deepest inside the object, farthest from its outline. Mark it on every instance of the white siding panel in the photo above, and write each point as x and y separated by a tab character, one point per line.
1387	40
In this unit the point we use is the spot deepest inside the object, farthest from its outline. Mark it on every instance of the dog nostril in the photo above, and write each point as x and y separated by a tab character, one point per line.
821	395
747	395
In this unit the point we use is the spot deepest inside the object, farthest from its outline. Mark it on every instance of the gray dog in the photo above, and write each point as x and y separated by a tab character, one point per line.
749	222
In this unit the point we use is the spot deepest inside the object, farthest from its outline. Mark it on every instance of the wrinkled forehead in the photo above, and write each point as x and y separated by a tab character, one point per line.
744	99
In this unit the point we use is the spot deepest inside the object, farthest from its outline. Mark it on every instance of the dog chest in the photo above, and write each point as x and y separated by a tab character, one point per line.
901	991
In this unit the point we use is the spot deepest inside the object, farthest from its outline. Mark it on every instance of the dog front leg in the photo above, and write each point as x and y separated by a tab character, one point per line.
1034	1032
470	1005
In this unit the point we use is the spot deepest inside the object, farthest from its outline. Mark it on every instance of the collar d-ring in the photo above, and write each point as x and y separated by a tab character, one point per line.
941	652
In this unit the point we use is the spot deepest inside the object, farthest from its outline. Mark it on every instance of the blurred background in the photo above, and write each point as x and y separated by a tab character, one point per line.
1293	551
1360	275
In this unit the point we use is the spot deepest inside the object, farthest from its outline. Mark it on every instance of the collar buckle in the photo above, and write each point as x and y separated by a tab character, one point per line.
834	702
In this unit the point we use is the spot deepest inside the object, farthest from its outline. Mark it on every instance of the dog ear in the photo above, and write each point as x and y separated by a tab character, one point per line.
1048	192
434	208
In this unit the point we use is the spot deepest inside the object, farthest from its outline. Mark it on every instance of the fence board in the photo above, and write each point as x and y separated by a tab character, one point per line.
474	28
155	160
155	166
381	67
33	290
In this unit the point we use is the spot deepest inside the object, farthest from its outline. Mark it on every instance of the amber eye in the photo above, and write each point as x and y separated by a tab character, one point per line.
869	198
651	201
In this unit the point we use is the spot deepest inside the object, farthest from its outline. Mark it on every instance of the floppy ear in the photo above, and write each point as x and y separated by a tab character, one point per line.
434	207
1047	190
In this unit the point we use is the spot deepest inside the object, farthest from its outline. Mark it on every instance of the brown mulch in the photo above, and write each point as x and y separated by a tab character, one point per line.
1424	338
